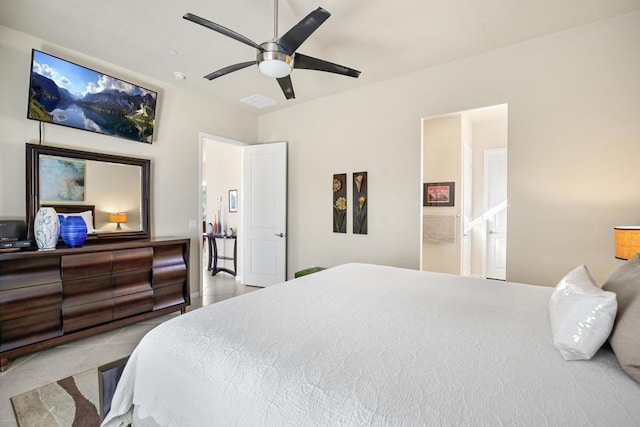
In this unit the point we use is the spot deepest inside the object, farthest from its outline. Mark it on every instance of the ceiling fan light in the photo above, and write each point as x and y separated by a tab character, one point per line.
275	68
274	63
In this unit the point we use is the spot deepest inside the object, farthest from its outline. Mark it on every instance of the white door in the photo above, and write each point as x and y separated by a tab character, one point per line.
495	213
265	217
467	211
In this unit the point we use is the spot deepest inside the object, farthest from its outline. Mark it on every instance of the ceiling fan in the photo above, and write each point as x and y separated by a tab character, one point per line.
278	57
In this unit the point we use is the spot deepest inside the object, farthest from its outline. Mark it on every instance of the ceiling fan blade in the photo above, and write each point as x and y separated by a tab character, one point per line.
230	69
222	30
302	30
287	87
309	63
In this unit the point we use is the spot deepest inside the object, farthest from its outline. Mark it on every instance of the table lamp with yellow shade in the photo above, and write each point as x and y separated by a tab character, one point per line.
627	241
120	218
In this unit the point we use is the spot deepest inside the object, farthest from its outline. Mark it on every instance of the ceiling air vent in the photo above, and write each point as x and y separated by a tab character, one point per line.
258	101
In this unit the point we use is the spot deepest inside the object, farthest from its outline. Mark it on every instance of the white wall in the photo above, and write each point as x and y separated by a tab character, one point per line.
174	154
223	173
109	188
574	104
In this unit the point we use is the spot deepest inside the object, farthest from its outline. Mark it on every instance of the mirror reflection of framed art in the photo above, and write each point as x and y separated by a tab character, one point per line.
438	194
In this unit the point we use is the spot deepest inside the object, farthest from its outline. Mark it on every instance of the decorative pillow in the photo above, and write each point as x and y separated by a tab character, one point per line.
625	338
581	315
88	219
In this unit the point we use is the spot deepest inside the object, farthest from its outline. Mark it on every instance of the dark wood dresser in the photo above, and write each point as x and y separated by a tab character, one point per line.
51	297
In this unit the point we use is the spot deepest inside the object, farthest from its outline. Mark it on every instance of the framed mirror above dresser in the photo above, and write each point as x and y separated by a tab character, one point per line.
114	189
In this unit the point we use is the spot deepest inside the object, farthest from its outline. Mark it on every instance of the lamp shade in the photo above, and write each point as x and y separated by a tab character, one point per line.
627	241
119	217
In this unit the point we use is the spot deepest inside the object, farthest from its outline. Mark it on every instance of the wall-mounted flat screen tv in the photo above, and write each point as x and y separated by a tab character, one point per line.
69	94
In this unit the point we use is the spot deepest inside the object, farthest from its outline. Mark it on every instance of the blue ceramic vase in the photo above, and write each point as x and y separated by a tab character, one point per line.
73	231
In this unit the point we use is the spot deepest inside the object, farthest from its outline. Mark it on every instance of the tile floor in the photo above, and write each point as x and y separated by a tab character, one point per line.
35	370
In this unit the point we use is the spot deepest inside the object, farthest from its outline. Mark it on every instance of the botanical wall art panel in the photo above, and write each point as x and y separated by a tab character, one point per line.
360	202
340	203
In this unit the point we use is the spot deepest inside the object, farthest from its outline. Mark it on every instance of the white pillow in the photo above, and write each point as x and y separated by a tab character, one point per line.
581	315
88	219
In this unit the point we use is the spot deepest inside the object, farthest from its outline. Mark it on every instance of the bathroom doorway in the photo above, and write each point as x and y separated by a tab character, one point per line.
468	149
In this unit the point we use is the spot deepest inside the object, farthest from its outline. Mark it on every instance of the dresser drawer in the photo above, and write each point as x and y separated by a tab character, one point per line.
167	296
84	316
132	259
86	290
169	266
132	304
86	265
131	282
31	329
29	272
30	300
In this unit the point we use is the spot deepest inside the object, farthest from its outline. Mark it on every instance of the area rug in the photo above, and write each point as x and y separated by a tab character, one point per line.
71	401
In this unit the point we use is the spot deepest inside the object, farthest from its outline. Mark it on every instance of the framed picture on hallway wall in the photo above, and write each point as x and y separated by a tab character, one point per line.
233	200
438	194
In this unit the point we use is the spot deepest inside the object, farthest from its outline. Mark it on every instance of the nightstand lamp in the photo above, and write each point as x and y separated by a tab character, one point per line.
120	218
627	241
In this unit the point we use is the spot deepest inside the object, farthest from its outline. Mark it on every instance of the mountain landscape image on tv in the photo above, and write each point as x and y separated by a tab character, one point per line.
69	94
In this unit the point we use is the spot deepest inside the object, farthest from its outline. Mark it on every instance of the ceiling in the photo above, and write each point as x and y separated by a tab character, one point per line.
382	39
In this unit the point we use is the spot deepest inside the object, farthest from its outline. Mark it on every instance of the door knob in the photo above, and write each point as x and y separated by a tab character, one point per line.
280	234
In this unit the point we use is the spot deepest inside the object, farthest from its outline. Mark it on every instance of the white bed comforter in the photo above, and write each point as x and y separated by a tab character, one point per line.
360	345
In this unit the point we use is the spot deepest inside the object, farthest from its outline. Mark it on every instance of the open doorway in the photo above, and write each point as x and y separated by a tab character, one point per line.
221	173
243	210
469	150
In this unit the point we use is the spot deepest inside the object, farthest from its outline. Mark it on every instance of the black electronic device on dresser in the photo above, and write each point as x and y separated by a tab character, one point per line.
13	234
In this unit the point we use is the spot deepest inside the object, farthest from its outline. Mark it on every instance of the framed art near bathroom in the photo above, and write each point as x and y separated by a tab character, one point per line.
438	194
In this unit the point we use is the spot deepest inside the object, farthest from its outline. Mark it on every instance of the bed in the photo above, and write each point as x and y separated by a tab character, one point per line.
362	344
